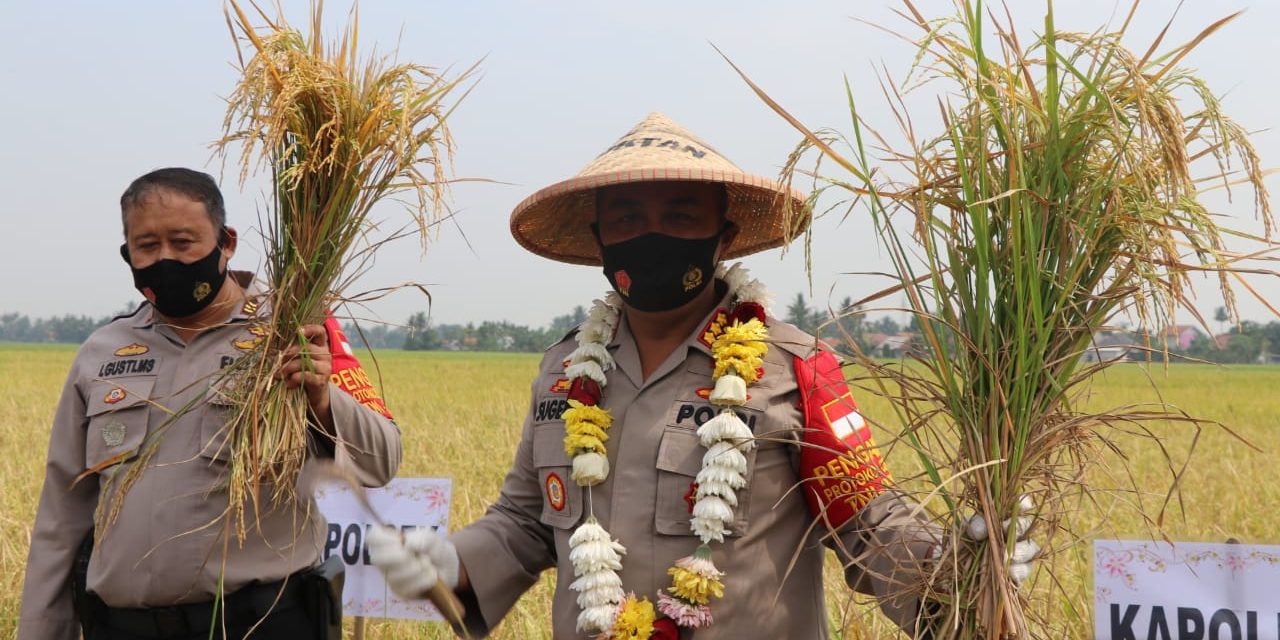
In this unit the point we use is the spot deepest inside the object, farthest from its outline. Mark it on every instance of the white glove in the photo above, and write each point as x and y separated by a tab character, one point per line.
414	563
1024	551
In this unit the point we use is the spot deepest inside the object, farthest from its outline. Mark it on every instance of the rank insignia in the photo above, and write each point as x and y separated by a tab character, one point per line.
134	349
247	345
250	307
715	327
113	434
115	395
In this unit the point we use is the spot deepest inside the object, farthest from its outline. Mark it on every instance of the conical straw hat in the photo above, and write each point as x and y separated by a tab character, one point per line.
556	221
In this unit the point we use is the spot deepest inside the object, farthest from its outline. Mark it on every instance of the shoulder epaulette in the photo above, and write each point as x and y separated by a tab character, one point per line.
129	314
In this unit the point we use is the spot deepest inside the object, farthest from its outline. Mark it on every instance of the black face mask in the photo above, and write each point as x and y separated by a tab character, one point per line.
179	289
656	272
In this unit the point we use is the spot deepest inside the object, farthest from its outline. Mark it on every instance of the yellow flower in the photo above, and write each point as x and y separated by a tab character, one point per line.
748	370
635	620
694	587
585	428
576	443
752	331
587	413
740	350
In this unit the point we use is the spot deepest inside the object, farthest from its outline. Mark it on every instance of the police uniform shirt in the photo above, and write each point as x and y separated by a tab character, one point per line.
646	502
165	544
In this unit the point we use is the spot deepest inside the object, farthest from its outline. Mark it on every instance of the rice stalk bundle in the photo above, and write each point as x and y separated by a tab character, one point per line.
338	134
1065	190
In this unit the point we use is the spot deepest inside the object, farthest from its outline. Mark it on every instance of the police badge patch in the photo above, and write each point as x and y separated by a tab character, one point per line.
113	434
555	491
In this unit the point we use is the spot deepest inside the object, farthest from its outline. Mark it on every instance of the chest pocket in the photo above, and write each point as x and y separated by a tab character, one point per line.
117	412
561	496
679	460
215	413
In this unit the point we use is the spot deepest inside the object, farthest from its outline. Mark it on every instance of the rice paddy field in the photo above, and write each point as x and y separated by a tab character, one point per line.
461	416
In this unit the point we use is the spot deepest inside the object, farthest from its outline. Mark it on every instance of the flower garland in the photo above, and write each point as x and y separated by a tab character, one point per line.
596	557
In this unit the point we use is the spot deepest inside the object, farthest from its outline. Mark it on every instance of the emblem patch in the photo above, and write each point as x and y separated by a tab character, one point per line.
115	395
561	386
624	282
259	329
692	496
113	434
201	291
692	278
134	349
844	420
555	491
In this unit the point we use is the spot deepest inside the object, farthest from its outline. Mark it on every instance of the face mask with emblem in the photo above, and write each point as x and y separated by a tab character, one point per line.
658	272
179	289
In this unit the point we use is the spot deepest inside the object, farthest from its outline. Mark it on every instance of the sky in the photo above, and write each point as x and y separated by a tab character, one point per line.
97	94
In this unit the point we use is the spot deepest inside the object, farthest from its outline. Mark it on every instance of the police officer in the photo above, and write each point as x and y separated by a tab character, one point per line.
660	209
163	562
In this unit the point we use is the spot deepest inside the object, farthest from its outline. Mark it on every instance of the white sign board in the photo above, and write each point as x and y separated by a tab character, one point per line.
407	503
1187	591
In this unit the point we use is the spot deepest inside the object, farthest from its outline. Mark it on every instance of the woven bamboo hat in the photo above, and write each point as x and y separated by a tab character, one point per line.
556	221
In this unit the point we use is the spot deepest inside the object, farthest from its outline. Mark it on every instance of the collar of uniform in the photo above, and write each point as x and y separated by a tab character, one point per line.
254	293
695	340
627	357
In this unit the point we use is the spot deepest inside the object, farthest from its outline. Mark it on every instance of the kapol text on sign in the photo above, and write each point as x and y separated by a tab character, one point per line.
1185	591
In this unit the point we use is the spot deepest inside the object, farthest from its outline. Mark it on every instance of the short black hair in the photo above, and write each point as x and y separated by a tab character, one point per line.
196	185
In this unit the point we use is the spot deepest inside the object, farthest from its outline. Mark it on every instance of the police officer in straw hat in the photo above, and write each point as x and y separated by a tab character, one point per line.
163	565
686	454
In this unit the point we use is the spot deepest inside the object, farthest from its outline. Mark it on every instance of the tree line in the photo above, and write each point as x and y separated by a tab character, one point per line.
1246	342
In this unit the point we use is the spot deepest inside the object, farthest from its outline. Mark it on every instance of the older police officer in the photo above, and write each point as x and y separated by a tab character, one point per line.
164	564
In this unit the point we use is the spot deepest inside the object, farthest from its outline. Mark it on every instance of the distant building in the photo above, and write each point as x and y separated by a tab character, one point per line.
1109	346
1179	337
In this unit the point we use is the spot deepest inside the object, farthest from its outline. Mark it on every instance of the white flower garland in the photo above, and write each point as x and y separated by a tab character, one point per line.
595	555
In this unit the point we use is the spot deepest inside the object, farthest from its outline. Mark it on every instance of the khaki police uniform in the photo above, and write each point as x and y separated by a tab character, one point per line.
165	546
654	455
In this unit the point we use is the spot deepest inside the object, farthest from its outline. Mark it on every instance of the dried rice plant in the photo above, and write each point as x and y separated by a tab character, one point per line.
1064	190
338	134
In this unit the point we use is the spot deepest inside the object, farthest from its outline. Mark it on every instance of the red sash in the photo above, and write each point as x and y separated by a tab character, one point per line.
839	464
347	372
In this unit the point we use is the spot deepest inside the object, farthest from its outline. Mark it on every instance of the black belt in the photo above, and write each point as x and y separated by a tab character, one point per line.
242	608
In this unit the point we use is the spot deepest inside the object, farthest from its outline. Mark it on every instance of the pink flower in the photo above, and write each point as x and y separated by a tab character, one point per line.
436	499
1114	567
684	613
700	565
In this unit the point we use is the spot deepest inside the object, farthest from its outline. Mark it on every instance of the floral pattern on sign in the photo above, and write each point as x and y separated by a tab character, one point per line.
1120	564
